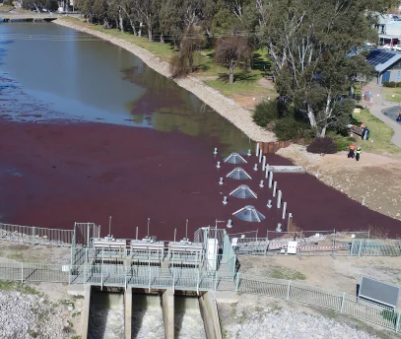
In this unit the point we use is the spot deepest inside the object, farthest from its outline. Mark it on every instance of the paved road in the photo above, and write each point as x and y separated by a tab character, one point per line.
377	105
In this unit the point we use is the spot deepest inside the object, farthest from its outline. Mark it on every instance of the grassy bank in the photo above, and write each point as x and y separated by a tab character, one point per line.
380	134
247	84
392	94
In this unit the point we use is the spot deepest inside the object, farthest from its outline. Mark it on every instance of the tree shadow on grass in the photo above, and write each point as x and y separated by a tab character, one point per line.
262	65
239	77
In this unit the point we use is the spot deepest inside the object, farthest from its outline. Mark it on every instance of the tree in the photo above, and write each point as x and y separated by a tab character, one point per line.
230	51
309	43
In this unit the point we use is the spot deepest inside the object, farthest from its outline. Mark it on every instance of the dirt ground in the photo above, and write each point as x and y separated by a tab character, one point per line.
340	274
375	181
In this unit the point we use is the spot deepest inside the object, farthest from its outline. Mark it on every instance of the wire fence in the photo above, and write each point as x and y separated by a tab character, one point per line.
197	280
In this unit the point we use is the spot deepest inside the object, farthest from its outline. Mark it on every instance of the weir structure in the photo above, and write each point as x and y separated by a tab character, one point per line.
148	263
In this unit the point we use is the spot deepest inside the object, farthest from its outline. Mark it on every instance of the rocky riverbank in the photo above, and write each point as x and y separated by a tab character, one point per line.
226	107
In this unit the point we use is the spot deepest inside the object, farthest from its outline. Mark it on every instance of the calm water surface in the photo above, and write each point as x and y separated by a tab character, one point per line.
52	72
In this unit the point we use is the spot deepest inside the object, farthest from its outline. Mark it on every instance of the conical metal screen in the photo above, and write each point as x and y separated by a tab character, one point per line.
238	173
235	158
249	213
244	192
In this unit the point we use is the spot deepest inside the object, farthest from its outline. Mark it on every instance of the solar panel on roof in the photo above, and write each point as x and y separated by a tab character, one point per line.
377	57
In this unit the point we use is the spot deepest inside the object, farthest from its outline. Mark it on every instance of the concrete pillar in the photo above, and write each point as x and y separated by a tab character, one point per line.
284	209
168	313
263	163
260	156
274	188
128	312
279	199
267	171
85	312
257	149
270	179
210	315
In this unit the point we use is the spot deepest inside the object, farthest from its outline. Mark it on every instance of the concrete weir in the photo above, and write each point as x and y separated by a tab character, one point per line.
143	313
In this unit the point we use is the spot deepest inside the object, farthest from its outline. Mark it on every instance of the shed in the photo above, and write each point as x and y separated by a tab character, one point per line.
387	65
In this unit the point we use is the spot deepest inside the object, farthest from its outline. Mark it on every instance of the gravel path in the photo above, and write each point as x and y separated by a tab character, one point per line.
227	108
270	323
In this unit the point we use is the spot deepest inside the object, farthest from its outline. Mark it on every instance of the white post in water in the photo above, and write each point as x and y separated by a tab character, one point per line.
218	164
288	221
215	150
249	153
261	184
257	149
284	209
274	188
260	156
267	171
263	163
270	179
255	167
279	199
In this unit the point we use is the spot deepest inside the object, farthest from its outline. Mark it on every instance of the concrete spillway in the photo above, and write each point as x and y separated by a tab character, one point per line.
140	314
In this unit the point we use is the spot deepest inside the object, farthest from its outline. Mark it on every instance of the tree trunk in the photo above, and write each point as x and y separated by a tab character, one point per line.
150	33
231	72
121	21
162	38
106	23
323	132
132	23
311	117
140	29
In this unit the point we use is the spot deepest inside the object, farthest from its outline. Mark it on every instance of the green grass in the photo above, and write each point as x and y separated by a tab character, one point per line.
392	94
380	133
287	274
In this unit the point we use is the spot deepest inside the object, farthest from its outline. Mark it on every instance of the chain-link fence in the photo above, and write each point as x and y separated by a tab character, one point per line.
196	280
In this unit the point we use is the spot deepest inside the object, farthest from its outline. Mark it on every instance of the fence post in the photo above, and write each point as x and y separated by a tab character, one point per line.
397	324
342	303
288	290
22	272
237	283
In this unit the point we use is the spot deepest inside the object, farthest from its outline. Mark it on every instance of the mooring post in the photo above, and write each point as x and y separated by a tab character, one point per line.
274	189
288	221
257	149
263	163
267	171
284	209
270	179
260	156
279	194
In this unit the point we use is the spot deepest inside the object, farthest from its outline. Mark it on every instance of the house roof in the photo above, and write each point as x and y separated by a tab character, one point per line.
382	59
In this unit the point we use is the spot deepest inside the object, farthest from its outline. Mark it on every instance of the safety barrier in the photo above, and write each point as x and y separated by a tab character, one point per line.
196	280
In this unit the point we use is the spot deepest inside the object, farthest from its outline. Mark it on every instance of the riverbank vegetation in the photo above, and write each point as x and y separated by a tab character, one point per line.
311	53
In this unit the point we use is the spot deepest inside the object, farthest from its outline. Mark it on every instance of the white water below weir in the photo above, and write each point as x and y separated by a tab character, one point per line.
147	317
188	322
106	317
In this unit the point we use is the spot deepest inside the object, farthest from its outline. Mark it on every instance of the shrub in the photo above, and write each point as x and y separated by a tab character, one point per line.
265	113
322	145
390	84
288	128
399	84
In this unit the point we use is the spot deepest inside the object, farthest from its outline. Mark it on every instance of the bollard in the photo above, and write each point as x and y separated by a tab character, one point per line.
263	163
269	204
278	229
261	184
229	223
274	189
260	156
221	181
288	221
279	199
249	153
255	167
225	201
267	171
218	164
215	150
270	179
257	149
284	209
